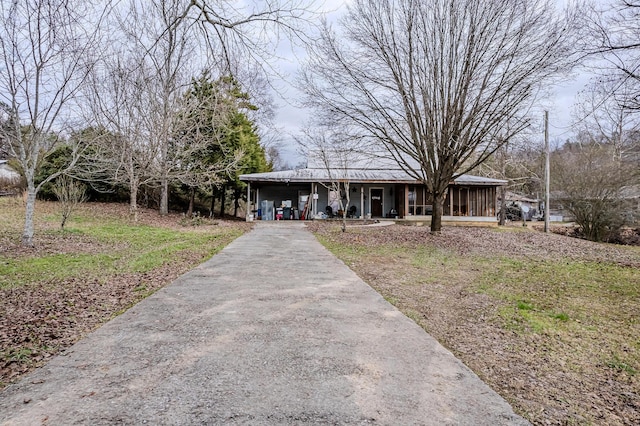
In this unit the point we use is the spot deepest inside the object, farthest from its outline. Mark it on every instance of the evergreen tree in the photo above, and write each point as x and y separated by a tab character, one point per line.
240	135
217	141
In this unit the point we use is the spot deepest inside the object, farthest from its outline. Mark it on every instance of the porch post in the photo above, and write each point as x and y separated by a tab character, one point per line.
362	202
406	200
312	206
451	195
314	192
248	201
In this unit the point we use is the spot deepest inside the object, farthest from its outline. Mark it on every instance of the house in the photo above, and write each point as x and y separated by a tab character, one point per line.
631	196
9	179
627	201
372	189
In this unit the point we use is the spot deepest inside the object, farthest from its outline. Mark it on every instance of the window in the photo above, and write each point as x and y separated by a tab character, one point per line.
418	201
470	201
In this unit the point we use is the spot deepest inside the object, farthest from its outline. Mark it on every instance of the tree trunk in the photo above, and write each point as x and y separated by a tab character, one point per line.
27	235
133	202
236	202
345	208
223	201
192	197
164	197
213	203
503	207
436	217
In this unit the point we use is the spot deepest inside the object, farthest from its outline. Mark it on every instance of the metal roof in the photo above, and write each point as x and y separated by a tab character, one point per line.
7	172
478	180
310	175
357	166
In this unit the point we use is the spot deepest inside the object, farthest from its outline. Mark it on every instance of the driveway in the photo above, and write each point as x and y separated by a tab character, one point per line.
272	330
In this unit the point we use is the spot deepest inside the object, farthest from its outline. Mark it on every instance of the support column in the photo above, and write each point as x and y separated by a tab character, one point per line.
451	195
315	199
257	198
248	212
311	202
406	200
362	202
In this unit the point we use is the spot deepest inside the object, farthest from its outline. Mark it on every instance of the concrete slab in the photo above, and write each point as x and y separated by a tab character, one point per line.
272	330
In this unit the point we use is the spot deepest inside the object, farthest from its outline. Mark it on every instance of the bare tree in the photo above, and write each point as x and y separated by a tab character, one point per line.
435	82
602	116
339	157
590	180
135	95
45	48
169	56
607	111
611	36
125	154
168	48
70	193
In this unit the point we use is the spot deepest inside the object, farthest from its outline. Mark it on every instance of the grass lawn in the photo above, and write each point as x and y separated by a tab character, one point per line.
549	322
74	280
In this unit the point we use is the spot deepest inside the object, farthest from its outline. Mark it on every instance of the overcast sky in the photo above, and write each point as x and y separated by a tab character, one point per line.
290	117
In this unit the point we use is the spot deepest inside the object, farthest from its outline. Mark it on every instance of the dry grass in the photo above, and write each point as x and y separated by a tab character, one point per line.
550	322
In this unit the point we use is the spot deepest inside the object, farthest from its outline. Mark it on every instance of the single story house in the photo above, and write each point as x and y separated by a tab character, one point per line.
629	196
377	190
9	179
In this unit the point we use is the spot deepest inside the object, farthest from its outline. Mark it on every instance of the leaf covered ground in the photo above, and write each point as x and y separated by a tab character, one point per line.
73	281
550	322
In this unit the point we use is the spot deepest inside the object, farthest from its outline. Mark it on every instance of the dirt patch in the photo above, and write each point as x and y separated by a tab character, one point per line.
550	377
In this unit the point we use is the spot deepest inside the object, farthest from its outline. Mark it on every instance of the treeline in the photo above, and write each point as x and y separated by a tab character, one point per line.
138	99
212	142
595	179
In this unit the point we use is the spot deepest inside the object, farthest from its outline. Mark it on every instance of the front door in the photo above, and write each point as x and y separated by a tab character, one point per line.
376	202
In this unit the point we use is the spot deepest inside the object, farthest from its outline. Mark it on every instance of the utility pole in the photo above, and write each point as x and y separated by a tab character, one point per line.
547	173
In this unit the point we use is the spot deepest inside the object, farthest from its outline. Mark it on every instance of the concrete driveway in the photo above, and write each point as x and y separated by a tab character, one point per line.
272	330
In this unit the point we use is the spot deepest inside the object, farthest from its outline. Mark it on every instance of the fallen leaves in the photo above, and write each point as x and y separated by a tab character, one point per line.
40	319
548	377
43	317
